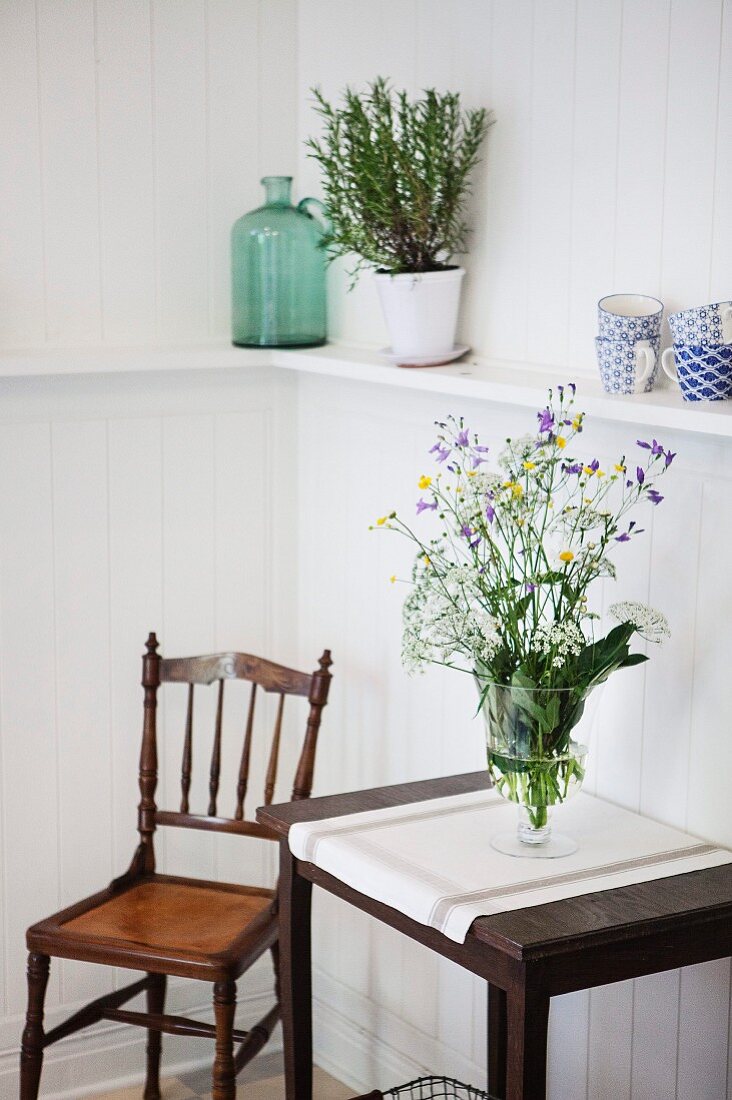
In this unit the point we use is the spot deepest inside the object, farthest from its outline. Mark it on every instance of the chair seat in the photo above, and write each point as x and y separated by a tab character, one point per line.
168	924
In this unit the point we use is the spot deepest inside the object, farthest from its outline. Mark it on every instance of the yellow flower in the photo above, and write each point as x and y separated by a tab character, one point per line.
519	523
589	471
619	468
515	488
426	560
529	465
577	422
424	482
600	473
566	555
471	473
381	521
392	578
561	442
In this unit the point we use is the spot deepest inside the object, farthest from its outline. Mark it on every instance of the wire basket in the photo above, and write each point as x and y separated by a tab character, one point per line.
430	1088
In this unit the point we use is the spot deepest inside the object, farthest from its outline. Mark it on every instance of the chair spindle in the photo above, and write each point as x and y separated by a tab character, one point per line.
274	755
185	775
241	787
213	786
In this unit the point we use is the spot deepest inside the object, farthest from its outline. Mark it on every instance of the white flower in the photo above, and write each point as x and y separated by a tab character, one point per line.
482	482
561	639
517	451
443	618
585	518
649	623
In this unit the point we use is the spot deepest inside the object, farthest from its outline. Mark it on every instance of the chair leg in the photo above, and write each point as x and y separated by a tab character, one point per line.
31	1051
224	1071
156	1006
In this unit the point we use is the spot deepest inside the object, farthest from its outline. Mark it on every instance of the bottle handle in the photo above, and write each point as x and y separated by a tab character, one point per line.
323	213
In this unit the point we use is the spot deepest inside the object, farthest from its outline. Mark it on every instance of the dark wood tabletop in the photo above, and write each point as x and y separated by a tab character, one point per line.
559	926
526	956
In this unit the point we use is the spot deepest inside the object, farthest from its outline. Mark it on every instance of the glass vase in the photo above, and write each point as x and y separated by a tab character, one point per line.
278	269
534	761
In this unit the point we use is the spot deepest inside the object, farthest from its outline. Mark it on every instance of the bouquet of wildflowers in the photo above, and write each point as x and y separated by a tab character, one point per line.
500	582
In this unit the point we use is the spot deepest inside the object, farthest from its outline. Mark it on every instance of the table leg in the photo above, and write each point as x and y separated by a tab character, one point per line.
527	1024
295	977
496	1042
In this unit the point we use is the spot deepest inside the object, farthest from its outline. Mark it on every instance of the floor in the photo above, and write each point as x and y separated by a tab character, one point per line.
261	1081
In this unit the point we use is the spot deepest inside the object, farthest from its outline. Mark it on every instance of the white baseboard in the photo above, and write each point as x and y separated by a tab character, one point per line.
368	1047
112	1056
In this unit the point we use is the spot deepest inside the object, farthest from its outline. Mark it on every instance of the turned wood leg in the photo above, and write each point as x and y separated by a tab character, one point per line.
31	1051
155	1006
224	1071
295	978
527	1026
497	1038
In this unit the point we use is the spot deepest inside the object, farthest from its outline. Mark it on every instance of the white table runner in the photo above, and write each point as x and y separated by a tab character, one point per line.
433	860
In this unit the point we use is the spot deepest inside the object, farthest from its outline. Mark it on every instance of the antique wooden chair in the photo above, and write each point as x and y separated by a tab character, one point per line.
163	924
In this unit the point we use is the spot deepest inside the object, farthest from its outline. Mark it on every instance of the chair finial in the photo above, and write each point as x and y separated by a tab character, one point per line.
325	661
151	644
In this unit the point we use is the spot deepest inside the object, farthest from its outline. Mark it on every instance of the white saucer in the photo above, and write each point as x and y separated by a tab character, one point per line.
425	360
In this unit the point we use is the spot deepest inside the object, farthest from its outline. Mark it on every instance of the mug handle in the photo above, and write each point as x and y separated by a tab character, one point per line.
644	354
668	362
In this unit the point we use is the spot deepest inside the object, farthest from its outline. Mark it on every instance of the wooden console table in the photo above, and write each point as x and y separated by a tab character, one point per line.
526	956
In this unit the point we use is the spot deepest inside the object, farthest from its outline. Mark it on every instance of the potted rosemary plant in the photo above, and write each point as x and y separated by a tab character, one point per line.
396	177
499	589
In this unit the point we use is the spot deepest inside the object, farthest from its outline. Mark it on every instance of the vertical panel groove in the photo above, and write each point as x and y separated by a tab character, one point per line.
57	761
715	157
42	173
154	168
97	130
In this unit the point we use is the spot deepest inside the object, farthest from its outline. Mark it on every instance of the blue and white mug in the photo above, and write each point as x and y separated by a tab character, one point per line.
703	371
629	317
710	324
627	367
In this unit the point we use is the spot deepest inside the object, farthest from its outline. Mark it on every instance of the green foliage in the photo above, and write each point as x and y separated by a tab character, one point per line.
396	175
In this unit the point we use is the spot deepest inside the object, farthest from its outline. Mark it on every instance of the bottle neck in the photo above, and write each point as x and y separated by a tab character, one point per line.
277	190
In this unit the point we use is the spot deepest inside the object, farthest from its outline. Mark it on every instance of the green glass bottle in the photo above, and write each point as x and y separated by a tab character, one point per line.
278	272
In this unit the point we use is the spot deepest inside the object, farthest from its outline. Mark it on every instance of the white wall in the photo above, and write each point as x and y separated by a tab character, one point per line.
126	505
609	167
133	134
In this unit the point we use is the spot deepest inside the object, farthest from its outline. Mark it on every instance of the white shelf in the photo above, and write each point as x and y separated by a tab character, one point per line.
513	384
48	362
496	381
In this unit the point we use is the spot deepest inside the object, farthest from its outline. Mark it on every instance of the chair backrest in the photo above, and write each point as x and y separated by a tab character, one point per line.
205	671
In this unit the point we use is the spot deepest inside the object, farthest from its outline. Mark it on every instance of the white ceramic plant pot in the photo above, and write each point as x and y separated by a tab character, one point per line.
421	311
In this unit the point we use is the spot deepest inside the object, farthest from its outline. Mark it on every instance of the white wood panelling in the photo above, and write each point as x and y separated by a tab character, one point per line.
126	507
70	170
133	135
125	135
22	319
588	186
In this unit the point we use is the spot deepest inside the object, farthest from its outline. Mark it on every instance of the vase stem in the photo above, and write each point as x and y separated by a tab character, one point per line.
534	826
